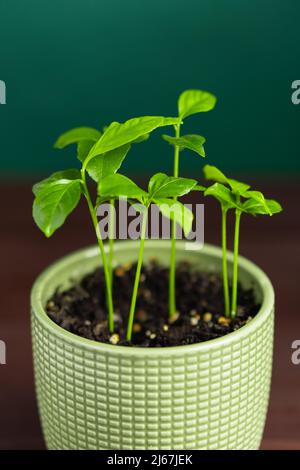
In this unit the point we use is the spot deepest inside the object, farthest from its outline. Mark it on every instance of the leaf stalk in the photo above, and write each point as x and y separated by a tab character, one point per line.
235	263
103	254
137	277
172	272
224	262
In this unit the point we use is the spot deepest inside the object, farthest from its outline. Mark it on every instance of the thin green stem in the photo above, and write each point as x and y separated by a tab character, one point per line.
111	238
224	262
103	255
235	263
137	277
172	273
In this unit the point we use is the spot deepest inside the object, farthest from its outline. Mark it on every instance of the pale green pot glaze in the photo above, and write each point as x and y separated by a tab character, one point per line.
212	395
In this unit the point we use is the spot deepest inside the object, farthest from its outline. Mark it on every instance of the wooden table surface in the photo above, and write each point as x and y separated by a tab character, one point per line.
273	243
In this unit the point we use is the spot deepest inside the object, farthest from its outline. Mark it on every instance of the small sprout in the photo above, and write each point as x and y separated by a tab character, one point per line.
161	191
207	317
237	196
189	102
114	339
101	154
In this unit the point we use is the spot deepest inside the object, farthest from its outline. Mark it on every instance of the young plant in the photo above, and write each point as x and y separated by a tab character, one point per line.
190	102
161	191
233	194
100	155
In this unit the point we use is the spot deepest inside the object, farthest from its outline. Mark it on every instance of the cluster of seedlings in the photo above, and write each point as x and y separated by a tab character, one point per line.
206	300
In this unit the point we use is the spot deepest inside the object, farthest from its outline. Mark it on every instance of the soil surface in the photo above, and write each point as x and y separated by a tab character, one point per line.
200	317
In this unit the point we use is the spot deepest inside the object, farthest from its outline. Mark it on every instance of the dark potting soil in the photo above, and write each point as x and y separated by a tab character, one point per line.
82	309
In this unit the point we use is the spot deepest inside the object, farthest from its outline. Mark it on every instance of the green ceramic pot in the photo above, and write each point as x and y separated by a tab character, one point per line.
212	395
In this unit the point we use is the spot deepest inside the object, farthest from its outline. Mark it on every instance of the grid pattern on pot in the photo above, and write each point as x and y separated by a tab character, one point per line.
211	398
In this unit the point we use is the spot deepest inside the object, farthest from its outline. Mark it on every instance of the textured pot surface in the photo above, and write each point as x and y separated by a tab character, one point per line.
212	395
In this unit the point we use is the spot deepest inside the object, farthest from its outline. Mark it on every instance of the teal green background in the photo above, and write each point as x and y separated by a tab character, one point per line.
69	62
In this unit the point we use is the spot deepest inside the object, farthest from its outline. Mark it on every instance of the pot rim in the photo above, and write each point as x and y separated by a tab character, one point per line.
140	352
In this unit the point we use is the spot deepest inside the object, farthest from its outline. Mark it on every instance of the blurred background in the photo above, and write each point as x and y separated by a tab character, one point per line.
70	63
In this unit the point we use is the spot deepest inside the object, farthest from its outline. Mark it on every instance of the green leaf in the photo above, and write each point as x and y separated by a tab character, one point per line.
177	212
198	187
195	101
138	207
142	138
254	207
192	142
76	135
108	163
161	186
72	174
118	134
238	187
212	173
223	195
54	203
116	185
83	149
258	197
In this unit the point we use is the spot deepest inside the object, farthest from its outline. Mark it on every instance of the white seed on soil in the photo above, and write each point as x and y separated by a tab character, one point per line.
97	329
87	322
224	321
114	339
152	336
148	333
166	328
143	278
193	312
195	320
207	317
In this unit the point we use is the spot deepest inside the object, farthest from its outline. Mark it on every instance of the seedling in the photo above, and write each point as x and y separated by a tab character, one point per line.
100	154
161	191
190	102
233	194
